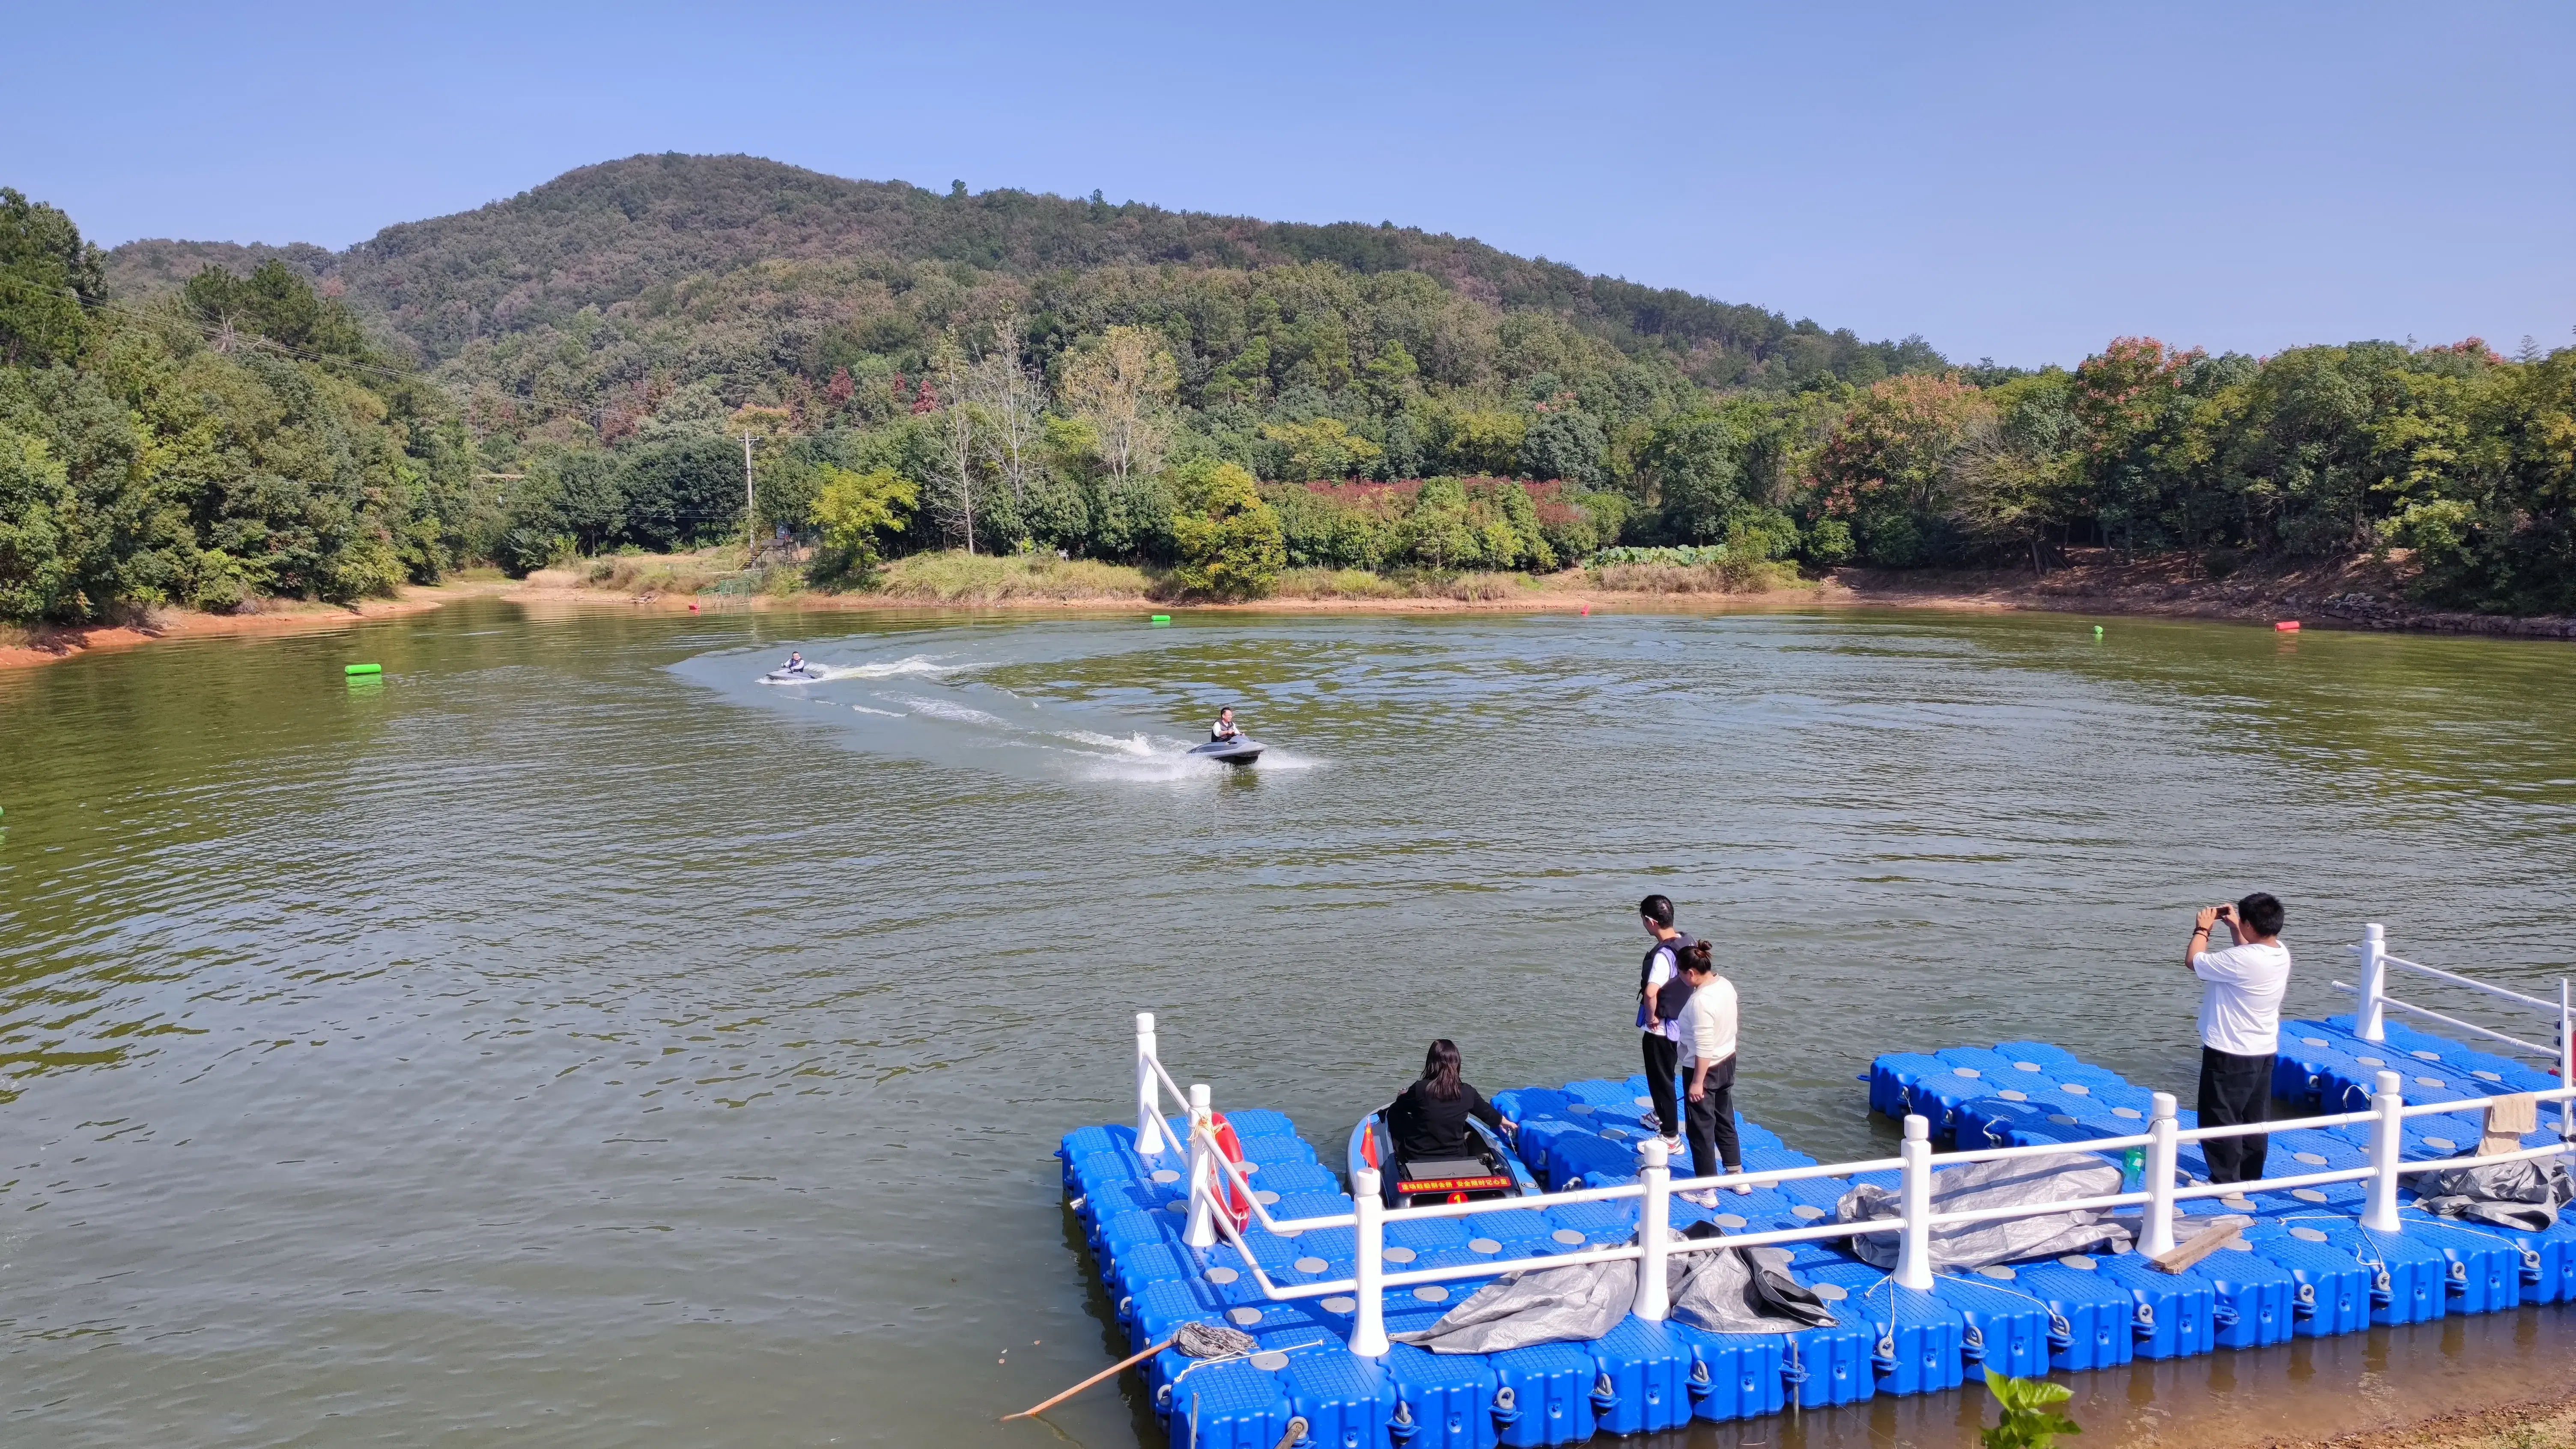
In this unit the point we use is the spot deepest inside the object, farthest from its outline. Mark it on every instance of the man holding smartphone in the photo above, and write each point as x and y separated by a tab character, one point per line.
2240	1027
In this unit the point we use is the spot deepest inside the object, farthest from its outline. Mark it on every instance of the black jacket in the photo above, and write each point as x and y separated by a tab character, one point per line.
1427	1126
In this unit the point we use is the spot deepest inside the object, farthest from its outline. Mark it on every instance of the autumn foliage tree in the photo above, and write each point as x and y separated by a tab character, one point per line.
1887	469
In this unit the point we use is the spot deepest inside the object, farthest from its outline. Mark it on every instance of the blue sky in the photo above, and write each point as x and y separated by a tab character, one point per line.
2015	181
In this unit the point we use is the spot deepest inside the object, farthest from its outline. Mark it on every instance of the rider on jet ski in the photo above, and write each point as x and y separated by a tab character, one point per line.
795	662
1224	730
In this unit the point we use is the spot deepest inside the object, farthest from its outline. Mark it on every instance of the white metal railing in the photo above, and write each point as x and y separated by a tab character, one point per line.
2370	1019
1654	1247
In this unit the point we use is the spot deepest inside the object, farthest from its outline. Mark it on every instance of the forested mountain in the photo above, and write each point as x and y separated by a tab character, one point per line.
576	369
620	232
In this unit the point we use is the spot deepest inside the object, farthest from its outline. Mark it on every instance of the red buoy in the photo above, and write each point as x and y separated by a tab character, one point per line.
2286	626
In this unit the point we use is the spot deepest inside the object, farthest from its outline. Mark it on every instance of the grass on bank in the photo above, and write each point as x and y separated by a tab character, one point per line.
962	578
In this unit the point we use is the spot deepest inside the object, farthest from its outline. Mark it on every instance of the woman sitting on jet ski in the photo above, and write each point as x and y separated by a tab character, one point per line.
1429	1121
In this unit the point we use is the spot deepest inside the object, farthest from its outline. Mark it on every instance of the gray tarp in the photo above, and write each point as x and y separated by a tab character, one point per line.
1740	1290
1718	1291
1541	1305
2010	1183
2523	1195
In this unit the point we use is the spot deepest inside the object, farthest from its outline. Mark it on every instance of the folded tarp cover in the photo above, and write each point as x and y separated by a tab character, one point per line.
1740	1290
1536	1305
1719	1290
2012	1182
2525	1194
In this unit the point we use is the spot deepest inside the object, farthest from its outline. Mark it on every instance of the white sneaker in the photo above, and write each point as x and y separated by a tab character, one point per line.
1744	1189
1672	1147
1706	1198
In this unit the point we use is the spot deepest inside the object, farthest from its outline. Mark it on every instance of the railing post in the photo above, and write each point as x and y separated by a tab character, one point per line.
2370	1022
2387	1145
1654	1230
1914	1253
1150	1132
2162	1150
1203	1184
1368	1265
2566	1063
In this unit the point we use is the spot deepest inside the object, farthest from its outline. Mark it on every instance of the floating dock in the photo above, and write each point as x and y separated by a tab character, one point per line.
2335	1246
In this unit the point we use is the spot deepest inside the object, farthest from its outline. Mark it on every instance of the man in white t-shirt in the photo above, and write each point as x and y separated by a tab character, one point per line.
2240	1027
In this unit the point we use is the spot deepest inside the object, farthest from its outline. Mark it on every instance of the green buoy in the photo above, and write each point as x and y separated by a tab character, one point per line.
364	669
2097	631
1162	618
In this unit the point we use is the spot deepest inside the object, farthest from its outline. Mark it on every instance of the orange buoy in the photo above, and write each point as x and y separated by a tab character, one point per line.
2286	626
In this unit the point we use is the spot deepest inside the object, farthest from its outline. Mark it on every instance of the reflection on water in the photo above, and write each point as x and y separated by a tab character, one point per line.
569	1039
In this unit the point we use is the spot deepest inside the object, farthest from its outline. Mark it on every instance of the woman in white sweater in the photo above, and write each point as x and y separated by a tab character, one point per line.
1708	1065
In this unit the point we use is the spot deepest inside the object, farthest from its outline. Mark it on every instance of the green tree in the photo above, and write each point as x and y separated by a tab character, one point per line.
276	304
2018	474
853	509
1441	531
1694	468
1480	440
1888	466
47	275
1228	540
1564	443
1324	448
37	579
684	493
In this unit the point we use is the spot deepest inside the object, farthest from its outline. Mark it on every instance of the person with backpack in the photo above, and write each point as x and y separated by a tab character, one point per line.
1662	993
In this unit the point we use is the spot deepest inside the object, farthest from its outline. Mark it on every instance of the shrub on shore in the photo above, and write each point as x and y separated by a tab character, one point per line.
962	578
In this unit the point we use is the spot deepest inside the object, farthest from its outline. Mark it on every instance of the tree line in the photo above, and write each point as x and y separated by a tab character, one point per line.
258	435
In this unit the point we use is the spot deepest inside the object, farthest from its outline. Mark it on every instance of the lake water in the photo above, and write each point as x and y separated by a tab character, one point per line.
568	1040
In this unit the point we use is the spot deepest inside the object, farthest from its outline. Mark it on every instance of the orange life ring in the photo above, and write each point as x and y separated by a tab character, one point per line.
1230	1147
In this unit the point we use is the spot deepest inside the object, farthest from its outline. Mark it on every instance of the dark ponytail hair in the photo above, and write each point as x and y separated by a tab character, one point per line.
1695	957
1440	1069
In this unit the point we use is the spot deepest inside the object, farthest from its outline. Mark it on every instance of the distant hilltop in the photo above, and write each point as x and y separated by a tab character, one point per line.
636	231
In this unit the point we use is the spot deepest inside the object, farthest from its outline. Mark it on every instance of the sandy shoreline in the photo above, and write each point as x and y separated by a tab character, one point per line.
2550	1421
2354	594
52	643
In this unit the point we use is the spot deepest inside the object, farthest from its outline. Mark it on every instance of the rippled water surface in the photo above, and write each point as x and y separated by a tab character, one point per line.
571	1040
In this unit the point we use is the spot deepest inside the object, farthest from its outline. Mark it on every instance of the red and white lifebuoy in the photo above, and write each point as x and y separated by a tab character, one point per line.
1230	1147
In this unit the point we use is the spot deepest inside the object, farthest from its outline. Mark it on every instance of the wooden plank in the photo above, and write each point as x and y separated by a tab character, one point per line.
2218	1234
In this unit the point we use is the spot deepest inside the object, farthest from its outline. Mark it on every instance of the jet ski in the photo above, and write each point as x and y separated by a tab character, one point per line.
807	673
1237	751
1487	1170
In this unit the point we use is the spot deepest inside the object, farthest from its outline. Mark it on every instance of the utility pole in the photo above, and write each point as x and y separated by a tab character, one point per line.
750	534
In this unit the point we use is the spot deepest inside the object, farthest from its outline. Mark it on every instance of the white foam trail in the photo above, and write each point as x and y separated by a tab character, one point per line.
1152	769
916	666
888	713
1137	744
941	709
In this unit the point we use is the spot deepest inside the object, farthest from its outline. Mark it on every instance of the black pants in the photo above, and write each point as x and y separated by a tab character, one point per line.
2235	1089
1663	1054
1712	1124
